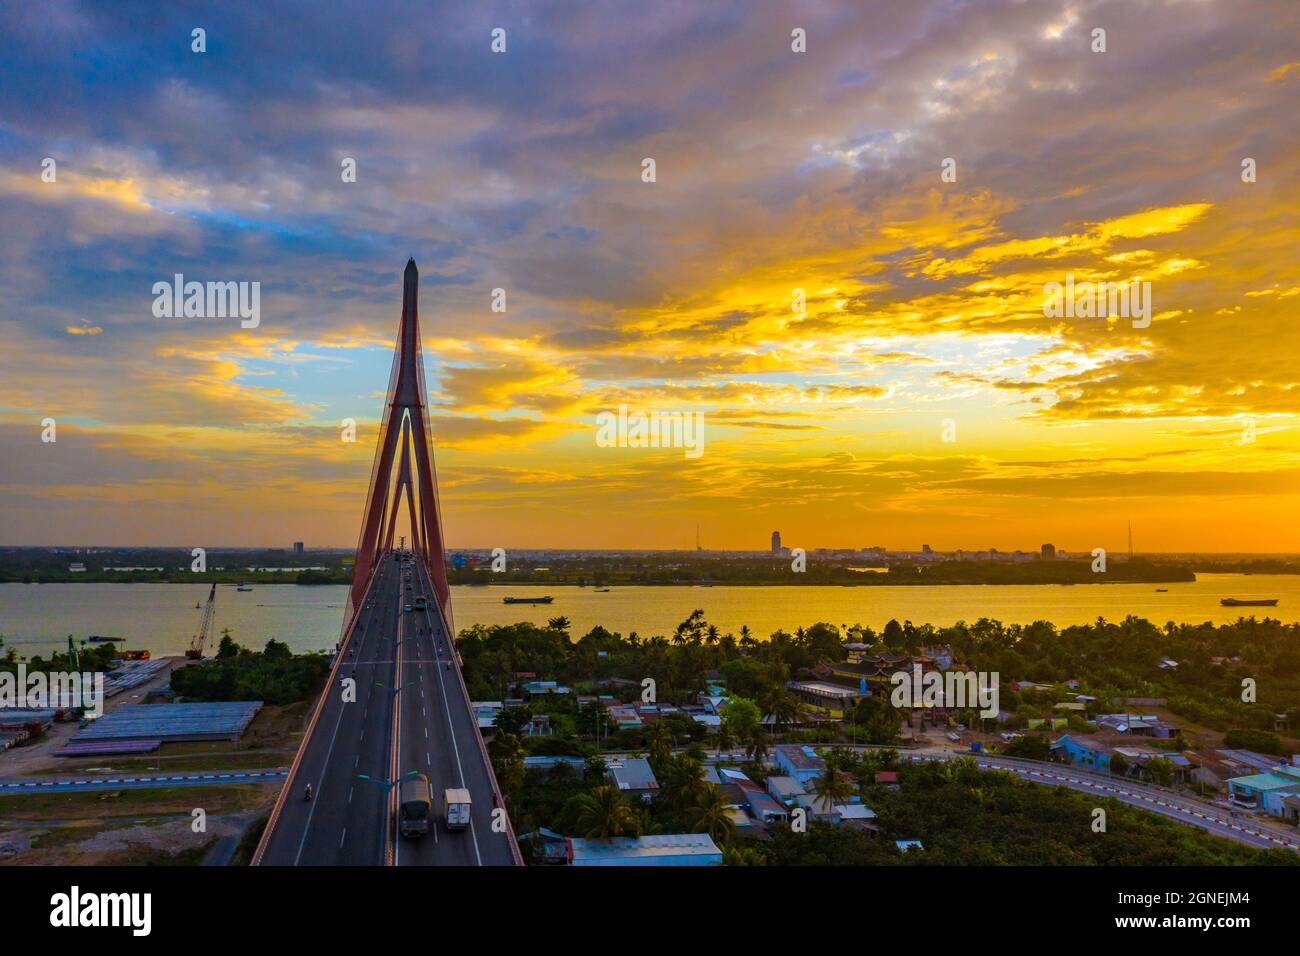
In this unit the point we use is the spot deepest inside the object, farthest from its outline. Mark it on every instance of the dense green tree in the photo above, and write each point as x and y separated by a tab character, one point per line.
507	761
711	814
227	646
833	787
741	717
604	812
875	720
682	782
784	708
659	738
512	720
274	676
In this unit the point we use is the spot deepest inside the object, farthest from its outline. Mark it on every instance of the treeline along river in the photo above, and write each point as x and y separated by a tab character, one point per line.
37	618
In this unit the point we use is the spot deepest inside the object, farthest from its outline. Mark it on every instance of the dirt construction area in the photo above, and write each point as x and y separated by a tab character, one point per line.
159	826
137	827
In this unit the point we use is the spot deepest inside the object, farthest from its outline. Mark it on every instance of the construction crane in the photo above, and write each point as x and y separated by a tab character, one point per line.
72	655
201	639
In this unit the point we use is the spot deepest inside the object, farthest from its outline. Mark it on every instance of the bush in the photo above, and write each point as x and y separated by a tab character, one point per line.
1030	747
1262	741
274	676
553	746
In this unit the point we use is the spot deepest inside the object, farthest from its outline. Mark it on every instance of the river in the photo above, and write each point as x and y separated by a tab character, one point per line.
37	618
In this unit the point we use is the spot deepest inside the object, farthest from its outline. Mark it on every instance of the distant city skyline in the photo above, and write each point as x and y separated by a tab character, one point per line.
1057	550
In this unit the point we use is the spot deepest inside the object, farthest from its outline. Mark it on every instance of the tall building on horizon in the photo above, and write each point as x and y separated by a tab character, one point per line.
776	542
1048	552
297	547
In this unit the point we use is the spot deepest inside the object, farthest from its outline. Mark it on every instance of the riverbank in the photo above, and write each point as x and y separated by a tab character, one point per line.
37	619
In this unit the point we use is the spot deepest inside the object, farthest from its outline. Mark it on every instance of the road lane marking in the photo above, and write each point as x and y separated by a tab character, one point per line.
456	749
328	753
392	849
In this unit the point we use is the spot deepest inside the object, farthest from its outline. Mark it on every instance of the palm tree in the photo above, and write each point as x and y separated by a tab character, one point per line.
683	781
784	707
832	788
726	739
660	738
692	629
742	856
604	812
507	761
758	741
712	815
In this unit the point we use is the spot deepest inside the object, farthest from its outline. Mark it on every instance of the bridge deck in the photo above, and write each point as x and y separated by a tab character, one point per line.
411	714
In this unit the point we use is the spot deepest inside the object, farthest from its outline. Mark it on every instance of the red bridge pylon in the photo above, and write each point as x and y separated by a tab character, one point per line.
405	424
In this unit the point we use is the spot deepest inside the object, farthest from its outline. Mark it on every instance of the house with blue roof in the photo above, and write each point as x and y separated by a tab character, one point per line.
1084	751
1276	792
800	762
676	849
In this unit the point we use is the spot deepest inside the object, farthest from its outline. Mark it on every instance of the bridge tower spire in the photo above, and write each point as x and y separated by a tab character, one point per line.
404	441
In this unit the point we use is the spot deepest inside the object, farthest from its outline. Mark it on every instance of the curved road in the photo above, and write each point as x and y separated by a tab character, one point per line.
1173	805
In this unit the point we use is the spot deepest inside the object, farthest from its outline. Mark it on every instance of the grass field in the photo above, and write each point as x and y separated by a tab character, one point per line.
147	827
224	798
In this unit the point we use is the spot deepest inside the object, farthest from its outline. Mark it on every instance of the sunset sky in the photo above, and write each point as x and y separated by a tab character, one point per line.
775	170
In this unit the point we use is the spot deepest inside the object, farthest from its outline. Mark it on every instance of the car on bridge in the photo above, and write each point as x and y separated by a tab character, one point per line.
407	609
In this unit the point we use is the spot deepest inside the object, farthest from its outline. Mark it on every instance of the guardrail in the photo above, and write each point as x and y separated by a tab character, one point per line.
330	682
500	802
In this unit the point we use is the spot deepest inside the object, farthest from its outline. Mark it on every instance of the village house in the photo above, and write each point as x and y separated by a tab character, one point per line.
675	849
633	776
799	761
1084	751
1275	792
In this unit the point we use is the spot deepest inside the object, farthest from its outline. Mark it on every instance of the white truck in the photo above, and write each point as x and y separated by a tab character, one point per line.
456	806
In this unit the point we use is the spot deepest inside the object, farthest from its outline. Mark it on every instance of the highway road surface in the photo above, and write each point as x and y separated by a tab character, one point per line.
410	714
438	736
345	758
